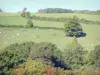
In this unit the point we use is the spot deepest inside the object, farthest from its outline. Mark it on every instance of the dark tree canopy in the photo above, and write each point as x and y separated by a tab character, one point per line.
55	10
0	10
73	28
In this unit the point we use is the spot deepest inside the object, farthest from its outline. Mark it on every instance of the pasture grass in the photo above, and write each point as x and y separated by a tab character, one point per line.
12	20
91	17
17	20
13	35
55	36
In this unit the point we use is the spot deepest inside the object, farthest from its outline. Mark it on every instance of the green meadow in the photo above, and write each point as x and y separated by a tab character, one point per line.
13	35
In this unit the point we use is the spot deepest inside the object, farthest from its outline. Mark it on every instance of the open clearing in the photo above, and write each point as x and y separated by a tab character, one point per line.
21	35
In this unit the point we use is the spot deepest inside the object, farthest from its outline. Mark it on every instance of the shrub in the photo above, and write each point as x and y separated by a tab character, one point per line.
95	56
74	55
14	26
44	51
20	71
7	61
13	55
34	67
29	24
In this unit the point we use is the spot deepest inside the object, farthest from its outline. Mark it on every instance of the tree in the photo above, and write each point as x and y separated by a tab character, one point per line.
72	44
95	56
0	10
27	15
29	23
34	67
74	54
44	51
13	55
55	10
73	28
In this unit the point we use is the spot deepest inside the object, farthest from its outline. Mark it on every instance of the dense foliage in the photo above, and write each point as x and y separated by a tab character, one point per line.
27	15
61	10
73	28
74	55
13	55
55	10
13	26
95	56
16	54
34	67
29	58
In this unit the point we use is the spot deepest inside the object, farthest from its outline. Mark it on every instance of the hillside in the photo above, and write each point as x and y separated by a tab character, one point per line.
92	38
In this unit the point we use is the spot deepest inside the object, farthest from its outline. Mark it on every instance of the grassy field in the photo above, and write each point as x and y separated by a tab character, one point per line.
12	20
17	20
67	15
70	15
13	35
9	36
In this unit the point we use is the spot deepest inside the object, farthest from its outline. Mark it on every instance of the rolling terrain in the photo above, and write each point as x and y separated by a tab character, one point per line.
13	35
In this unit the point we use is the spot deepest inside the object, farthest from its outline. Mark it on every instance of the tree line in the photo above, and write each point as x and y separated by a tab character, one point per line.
55	10
61	10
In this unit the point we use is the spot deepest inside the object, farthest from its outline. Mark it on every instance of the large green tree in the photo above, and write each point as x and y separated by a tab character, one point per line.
73	28
74	54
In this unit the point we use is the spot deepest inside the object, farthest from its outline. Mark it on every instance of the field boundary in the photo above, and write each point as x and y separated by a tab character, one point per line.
34	17
21	26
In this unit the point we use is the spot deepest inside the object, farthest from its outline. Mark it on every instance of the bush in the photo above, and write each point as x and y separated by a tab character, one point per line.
30	58
20	71
33	67
74	55
27	15
95	56
14	26
29	24
13	55
16	54
45	52
7	61
22	14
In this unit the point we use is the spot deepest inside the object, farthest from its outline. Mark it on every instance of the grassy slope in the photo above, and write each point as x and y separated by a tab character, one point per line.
47	35
12	20
85	16
68	15
59	39
17	20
